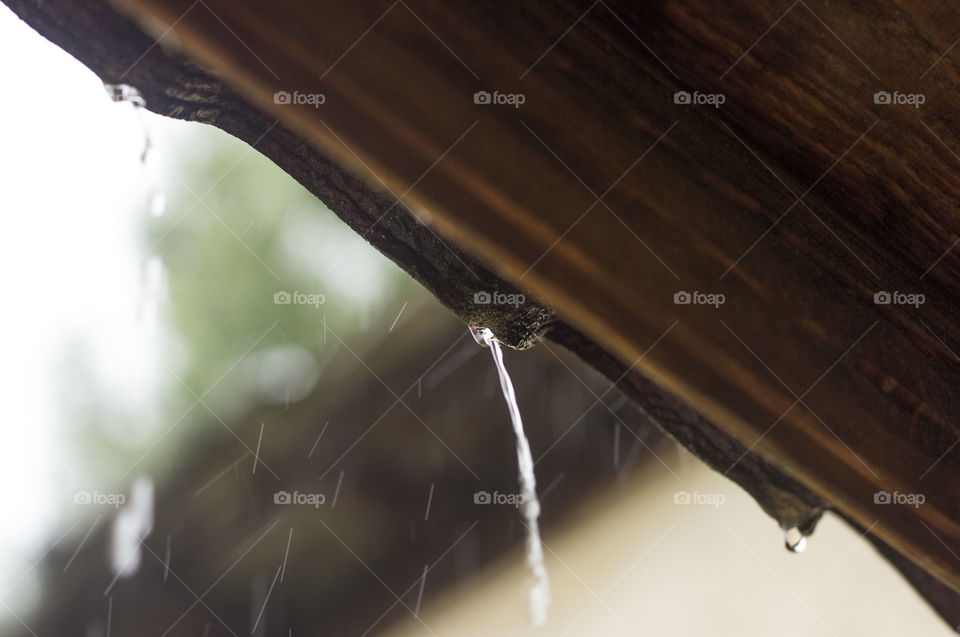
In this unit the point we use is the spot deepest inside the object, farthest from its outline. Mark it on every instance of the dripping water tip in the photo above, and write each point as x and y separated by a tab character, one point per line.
125	93
482	335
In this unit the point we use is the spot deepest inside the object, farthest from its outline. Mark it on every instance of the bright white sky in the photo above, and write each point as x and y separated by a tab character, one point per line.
72	191
75	281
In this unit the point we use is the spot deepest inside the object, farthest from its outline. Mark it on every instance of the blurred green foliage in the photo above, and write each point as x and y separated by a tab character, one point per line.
236	231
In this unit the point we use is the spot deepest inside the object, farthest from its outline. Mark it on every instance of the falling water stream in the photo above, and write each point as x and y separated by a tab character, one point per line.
134	522
131	95
539	594
131	526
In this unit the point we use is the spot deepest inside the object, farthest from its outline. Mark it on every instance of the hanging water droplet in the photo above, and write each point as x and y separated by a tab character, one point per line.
794	540
125	93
